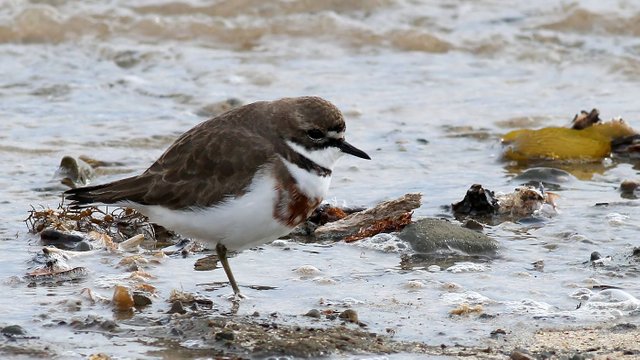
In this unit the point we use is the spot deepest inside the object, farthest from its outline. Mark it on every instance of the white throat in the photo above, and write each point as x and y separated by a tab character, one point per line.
325	157
309	182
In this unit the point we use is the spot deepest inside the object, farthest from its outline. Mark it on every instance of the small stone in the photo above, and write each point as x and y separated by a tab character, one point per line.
127	59
473	225
314	313
140	300
108	325
629	186
519	355
83	246
225	335
99	356
538	265
624	327
349	315
13	330
595	256
307	270
122	298
414	284
177	308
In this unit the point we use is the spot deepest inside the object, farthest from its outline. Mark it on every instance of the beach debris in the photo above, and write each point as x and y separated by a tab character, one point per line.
466	309
388	216
131	244
189	298
477	201
588	140
526	201
522	202
585	119
99	356
628	146
119	224
54	268
326	213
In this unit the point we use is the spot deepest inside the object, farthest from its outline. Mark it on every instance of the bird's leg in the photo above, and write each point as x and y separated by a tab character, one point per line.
222	255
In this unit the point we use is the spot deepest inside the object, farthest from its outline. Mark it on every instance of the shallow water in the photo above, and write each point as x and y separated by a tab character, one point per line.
119	81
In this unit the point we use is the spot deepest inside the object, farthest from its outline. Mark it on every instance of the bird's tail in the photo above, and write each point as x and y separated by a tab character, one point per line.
110	193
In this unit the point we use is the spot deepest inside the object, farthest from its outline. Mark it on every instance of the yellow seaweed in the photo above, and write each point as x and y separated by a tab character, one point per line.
559	143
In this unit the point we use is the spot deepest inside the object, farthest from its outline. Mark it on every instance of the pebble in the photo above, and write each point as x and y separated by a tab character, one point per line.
13	330
140	300
473	224
280	243
314	313
465	267
225	335
349	315
177	307
324	281
414	284
307	270
595	256
122	299
434	268
99	356
519	355
629	186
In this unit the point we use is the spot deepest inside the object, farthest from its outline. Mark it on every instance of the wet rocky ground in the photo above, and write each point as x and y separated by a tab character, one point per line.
199	334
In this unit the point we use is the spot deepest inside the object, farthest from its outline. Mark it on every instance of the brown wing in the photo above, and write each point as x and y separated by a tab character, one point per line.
206	164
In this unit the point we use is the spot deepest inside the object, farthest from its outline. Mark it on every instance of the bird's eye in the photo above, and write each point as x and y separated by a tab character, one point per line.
315	134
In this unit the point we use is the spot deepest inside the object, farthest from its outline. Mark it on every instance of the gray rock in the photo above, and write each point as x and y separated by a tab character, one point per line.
140	299
13	330
545	175
430	235
314	313
225	335
177	308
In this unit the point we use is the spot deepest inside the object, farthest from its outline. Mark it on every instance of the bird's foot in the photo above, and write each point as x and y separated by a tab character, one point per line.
236	297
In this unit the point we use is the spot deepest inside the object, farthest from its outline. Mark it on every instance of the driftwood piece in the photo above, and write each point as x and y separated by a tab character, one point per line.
387	216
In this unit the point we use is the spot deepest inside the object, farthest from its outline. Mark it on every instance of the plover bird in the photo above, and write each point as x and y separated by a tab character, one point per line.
239	180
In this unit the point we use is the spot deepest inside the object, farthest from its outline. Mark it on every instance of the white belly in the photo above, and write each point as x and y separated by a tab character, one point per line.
237	223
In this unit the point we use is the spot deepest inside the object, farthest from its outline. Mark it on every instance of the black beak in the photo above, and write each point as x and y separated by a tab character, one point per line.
347	148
